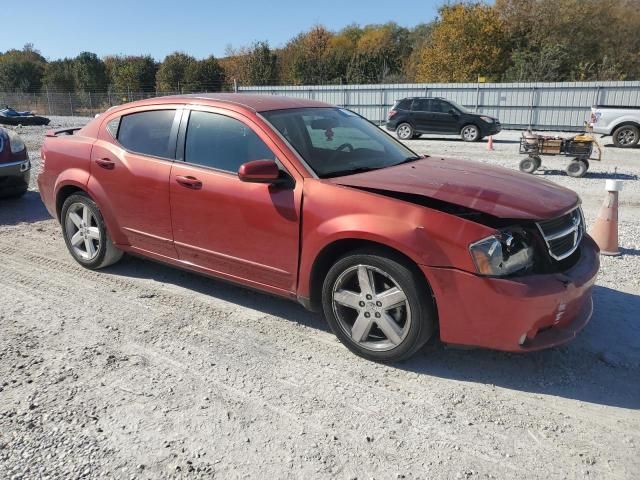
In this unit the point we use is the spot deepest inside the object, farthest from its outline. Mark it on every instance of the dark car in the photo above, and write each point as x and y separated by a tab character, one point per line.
411	117
15	168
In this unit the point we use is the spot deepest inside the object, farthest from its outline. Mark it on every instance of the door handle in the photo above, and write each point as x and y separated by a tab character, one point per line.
189	182
106	163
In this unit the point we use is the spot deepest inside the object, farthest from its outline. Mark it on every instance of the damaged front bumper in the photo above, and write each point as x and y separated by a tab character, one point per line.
515	314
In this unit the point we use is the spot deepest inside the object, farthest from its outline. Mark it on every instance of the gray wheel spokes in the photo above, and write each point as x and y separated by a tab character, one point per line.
376	321
361	328
390	328
82	231
75	218
392	298
365	280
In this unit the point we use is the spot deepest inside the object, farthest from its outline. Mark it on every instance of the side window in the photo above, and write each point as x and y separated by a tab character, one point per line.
441	107
112	127
420	105
148	133
221	142
404	104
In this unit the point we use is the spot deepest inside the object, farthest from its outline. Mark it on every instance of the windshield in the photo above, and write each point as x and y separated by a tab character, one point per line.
459	107
335	141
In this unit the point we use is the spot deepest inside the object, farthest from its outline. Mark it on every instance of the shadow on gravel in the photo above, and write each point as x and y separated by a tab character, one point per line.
28	208
601	366
133	267
589	174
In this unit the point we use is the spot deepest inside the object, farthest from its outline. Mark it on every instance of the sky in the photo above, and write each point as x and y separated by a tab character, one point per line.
64	28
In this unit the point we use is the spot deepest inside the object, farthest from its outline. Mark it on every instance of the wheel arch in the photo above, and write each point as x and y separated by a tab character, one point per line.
624	124
65	192
331	252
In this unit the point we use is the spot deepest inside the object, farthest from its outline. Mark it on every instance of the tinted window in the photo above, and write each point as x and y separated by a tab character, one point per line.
147	132
420	105
439	106
222	142
404	104
335	141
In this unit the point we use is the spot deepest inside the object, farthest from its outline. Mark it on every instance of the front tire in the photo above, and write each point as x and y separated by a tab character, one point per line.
626	136
378	306
530	164
405	131
470	133
85	233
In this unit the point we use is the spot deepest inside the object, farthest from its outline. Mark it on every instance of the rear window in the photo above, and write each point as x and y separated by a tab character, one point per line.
148	133
404	104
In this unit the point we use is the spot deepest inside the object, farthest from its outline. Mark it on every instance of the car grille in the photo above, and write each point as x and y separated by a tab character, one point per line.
563	234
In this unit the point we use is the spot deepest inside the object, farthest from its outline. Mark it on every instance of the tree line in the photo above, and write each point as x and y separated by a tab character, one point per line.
510	40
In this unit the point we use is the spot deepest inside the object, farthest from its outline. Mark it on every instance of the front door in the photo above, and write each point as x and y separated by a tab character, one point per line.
444	116
130	168
244	231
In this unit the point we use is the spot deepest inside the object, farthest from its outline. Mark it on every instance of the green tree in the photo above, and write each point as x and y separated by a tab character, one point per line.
60	75
90	73
131	73
261	66
204	75
171	74
21	70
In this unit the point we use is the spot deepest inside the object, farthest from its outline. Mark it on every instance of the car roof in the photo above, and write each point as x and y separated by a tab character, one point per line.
255	103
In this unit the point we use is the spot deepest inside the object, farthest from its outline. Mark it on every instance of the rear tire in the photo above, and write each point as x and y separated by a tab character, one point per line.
626	136
577	168
85	233
404	131
378	306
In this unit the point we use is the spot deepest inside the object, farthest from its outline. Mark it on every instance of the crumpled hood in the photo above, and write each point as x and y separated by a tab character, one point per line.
493	190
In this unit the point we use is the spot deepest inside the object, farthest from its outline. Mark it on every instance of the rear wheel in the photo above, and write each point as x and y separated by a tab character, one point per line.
530	164
404	131
378	306
470	133
577	168
85	233
626	136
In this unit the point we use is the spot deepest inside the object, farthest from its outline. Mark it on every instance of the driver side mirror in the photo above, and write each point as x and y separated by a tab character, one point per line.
262	171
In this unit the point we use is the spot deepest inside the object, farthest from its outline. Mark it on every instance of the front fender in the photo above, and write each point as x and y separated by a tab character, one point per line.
426	236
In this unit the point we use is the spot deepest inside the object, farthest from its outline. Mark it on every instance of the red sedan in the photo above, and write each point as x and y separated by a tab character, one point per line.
310	201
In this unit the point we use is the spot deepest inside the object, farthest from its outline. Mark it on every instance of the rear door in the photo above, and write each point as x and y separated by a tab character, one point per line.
130	168
244	231
422	117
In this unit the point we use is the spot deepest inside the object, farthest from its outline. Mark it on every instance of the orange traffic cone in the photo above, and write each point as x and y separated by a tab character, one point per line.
605	230
490	143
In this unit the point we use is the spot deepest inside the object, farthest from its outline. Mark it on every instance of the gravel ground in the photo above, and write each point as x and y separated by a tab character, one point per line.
144	371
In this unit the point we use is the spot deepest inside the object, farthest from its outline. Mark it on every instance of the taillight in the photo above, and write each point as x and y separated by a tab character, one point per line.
392	113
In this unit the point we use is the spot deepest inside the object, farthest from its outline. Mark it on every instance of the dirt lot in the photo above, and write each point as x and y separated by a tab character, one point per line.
143	371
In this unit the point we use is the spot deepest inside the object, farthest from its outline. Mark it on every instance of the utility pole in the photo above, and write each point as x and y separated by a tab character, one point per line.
235	85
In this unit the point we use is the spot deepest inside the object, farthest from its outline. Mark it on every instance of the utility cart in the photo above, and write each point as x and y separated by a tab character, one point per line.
582	148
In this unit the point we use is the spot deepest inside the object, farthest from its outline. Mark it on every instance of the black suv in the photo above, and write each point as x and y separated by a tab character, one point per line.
411	117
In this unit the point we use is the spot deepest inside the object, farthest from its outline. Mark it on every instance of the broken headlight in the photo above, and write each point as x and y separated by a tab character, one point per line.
502	254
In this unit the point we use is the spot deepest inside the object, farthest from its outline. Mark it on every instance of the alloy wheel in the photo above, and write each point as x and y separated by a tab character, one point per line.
371	308
404	131
470	133
626	136
82	231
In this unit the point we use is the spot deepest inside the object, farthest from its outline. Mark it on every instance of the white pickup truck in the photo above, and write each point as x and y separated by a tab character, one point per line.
622	123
